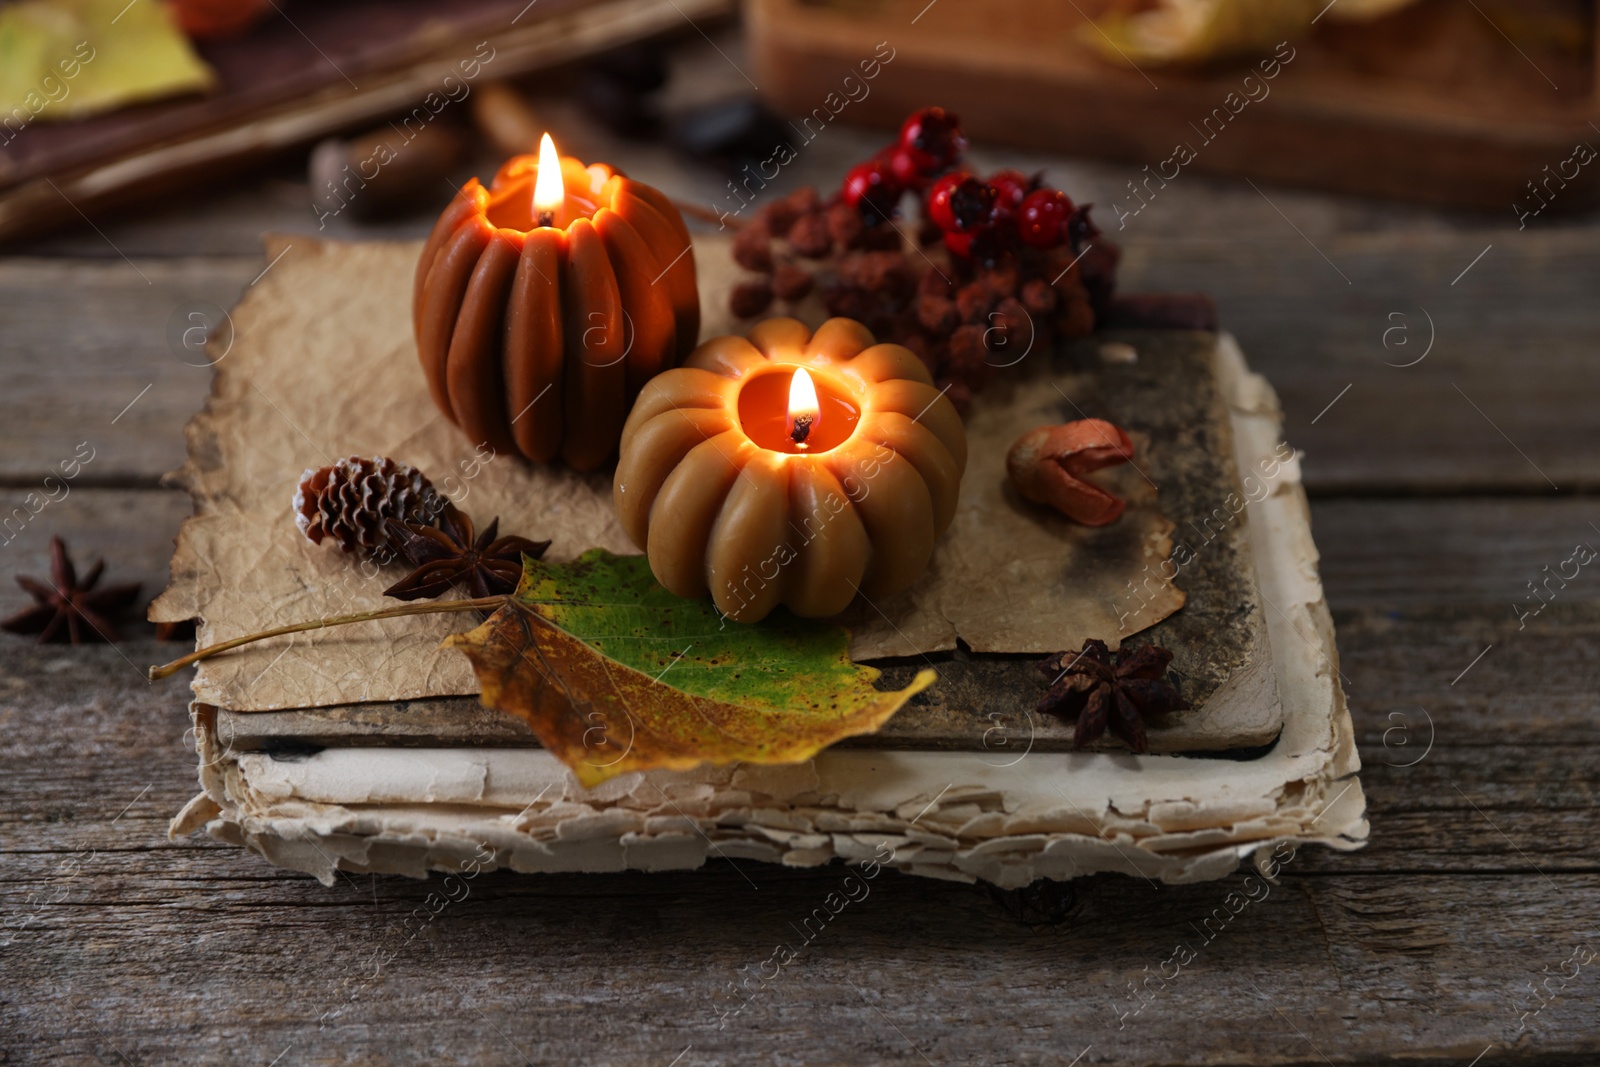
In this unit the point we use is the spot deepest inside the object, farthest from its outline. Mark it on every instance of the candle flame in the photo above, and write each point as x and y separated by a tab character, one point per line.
548	190
804	412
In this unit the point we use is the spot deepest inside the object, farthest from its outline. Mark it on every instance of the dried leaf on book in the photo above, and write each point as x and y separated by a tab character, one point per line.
616	674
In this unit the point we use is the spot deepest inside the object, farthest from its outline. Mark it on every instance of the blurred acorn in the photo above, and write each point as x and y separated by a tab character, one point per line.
388	171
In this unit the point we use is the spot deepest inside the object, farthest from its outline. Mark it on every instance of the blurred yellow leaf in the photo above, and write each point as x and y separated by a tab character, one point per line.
1196	31
69	58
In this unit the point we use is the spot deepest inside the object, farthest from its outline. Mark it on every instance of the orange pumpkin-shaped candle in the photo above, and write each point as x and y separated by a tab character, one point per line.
545	302
790	468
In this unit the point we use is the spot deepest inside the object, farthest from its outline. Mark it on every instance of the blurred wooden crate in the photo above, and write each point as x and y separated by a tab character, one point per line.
1434	103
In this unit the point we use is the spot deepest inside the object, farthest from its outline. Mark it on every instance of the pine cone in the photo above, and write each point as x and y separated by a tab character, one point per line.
351	500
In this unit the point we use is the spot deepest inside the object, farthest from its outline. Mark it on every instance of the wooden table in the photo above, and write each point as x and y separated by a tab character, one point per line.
1440	489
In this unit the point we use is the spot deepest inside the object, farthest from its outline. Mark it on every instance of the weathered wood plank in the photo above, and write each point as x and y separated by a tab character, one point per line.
1467	550
131	529
617	969
88	367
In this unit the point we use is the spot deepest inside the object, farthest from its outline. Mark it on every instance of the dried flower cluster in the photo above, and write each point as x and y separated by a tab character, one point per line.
964	319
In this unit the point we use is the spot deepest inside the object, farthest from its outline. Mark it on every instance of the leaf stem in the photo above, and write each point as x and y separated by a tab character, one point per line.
433	607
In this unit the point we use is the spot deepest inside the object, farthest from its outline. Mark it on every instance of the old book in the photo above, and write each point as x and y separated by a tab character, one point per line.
350	737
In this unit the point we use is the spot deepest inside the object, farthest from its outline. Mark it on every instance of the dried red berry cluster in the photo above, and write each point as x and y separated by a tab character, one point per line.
983	220
1009	283
930	143
991	220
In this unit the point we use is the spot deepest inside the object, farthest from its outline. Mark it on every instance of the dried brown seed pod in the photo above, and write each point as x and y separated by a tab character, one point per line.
973	301
1049	465
791	282
751	298
752	248
885	273
1013	328
849	301
804	200
809	236
937	314
1102	688
969	355
1038	297
933	283
779	216
1001	280
844	225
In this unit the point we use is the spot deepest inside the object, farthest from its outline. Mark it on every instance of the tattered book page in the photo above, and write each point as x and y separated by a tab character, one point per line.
1012	576
323	366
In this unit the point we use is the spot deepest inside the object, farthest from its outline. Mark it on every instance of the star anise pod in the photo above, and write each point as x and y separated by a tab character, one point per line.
69	609
449	556
1116	689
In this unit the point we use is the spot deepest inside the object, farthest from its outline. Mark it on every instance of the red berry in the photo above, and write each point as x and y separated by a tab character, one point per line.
871	182
960	202
959	244
1010	187
1042	217
907	166
939	210
934	137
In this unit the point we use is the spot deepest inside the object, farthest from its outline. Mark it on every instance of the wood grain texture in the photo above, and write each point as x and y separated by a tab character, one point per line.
132	530
119	946
88	361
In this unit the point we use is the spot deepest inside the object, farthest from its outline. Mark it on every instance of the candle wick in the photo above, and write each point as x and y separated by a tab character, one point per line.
801	429
547	218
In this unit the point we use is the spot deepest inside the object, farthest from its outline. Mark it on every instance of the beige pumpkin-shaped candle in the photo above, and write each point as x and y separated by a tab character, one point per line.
543	304
790	468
